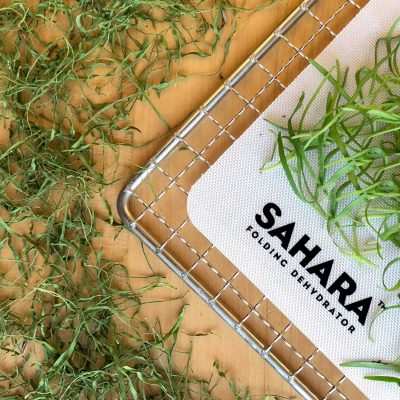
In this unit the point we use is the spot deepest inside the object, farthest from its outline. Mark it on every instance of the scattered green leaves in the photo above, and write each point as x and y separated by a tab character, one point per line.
71	72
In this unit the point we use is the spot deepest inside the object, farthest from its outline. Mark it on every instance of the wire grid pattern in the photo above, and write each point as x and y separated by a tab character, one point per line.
165	229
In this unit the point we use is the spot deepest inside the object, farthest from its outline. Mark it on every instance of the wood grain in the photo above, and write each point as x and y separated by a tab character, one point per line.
222	344
242	362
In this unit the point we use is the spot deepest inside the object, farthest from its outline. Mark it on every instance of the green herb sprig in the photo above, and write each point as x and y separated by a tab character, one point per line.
347	165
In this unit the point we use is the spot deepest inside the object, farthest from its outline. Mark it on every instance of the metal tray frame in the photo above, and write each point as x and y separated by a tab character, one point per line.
132	221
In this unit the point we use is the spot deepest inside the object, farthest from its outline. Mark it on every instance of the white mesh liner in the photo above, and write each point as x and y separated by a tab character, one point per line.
224	202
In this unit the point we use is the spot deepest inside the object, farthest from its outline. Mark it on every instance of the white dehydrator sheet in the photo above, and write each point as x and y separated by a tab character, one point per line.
224	202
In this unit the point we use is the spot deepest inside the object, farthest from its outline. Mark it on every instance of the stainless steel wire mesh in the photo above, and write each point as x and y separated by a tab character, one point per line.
153	204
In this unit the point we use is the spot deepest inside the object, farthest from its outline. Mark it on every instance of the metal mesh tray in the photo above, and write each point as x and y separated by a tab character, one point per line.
153	204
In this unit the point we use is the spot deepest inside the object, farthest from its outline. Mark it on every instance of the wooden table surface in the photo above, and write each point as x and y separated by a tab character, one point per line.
222	345
175	103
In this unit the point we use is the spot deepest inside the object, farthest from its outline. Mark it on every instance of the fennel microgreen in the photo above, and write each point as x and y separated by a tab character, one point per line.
70	74
347	165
